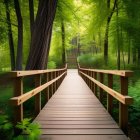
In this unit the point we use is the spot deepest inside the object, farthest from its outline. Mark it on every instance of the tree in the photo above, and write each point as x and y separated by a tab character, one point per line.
63	42
41	36
20	36
111	11
31	10
10	35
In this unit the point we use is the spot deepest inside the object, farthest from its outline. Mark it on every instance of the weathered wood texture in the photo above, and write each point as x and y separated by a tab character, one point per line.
74	113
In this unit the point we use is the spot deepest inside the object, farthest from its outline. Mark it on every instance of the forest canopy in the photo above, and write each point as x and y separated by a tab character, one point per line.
104	30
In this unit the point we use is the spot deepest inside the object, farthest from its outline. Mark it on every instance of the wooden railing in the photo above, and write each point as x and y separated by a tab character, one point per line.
90	77
53	79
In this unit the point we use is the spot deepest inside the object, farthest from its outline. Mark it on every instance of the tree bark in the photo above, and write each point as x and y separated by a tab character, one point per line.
138	56
118	40
10	35
63	42
129	50
20	36
41	37
134	55
31	10
107	29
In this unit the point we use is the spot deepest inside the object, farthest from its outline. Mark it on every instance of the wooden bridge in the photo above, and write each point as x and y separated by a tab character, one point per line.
74	111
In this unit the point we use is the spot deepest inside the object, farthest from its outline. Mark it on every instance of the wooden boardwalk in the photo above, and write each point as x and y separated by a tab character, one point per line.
74	113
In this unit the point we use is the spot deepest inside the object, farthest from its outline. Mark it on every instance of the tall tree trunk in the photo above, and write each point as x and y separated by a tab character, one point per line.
134	55
31	10
129	51
10	36
78	44
138	56
41	37
20	36
107	29
63	42
118	40
100	41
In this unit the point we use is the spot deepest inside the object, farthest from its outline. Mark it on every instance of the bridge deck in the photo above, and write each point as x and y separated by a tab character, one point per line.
74	113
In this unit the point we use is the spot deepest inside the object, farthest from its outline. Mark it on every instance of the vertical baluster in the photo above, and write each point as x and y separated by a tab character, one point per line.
46	92
123	109
100	89
18	90
49	88
95	86
109	97
56	83
92	75
52	88
38	96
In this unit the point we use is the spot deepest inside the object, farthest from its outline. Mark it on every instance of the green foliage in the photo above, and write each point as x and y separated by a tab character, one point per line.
51	65
134	110
96	61
6	128
29	130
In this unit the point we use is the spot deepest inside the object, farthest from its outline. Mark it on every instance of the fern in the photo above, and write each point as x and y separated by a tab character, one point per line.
30	129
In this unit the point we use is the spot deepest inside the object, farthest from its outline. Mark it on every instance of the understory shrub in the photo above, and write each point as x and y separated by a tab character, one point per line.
29	131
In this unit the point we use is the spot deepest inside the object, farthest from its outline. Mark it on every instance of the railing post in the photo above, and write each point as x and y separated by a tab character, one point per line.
52	88
123	109
18	90
49	88
57	82
101	77
38	96
109	97
46	90
90	82
95	86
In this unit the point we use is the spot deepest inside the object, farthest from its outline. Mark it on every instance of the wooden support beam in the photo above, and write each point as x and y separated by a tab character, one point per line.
123	109
18	90
46	90
95	86
101	78
38	96
109	97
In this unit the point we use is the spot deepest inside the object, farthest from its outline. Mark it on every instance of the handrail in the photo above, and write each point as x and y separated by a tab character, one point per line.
90	77
124	73
32	72
26	96
52	77
127	100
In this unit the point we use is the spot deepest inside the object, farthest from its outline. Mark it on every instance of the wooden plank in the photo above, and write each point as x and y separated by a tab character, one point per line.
75	111
83	137
86	122
73	119
44	126
82	131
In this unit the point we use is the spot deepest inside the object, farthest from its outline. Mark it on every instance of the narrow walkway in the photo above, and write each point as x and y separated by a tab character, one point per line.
74	113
